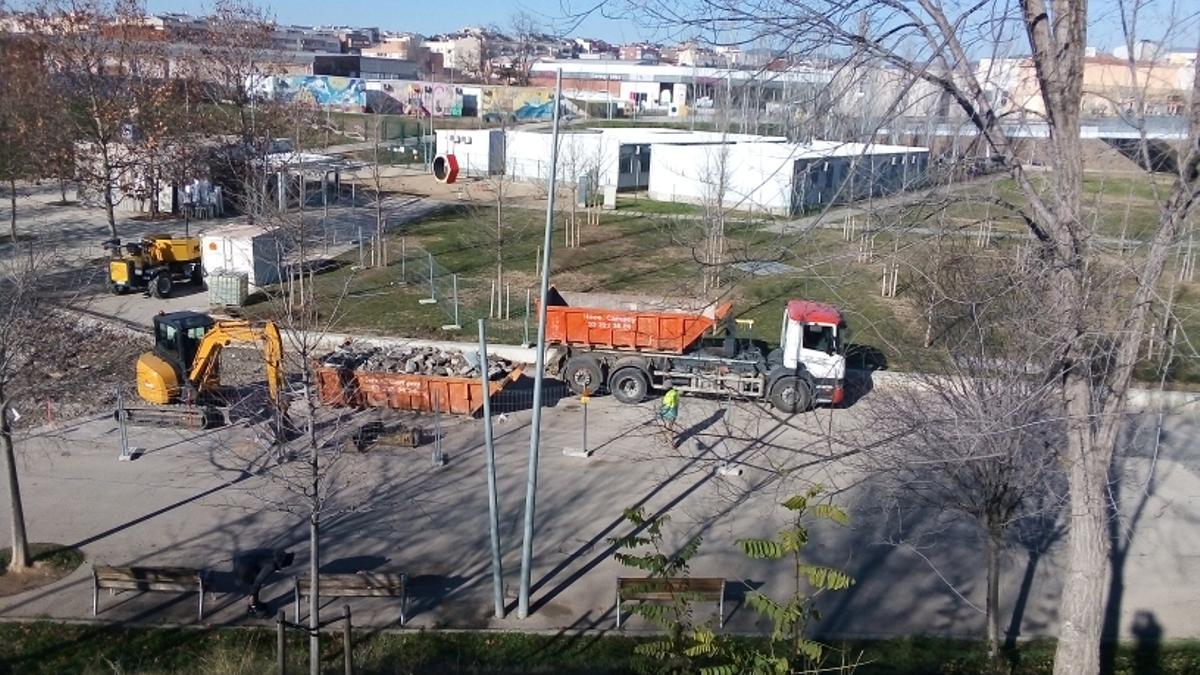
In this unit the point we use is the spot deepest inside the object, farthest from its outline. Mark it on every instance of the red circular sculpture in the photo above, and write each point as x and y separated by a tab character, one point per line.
445	168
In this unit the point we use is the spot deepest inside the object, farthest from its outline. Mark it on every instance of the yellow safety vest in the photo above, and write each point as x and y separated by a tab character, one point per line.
671	399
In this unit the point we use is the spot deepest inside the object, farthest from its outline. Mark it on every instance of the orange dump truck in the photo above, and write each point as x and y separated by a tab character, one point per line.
402	391
634	345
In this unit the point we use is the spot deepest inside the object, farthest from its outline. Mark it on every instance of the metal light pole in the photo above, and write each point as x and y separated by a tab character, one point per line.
489	450
539	371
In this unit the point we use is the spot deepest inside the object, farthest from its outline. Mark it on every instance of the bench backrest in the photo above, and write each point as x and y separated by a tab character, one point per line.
660	588
362	583
160	577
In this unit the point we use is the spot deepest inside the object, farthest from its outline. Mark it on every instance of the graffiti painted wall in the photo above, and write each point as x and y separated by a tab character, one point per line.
523	103
439	99
322	90
423	99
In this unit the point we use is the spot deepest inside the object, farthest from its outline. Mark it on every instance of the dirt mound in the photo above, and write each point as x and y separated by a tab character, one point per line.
69	368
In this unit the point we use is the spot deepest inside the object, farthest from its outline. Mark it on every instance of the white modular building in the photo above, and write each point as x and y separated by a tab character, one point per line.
480	152
747	172
607	156
246	248
783	178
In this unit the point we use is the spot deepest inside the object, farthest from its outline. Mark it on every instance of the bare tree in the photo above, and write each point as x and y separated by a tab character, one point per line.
56	136
234	60
98	53
525	35
304	318
378	137
1094	355
716	187
18	327
19	115
497	229
160	155
979	439
581	163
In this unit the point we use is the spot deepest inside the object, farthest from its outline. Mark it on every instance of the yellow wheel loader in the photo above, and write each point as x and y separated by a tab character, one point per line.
155	265
181	374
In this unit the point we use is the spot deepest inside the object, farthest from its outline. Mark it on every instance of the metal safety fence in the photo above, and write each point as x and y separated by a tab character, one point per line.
461	299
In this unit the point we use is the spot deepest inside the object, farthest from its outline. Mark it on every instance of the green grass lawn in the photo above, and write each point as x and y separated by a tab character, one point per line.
647	205
1121	206
624	254
630	254
50	648
56	556
656	254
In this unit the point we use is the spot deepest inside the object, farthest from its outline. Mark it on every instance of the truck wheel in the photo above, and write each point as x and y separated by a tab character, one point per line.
791	395
629	385
160	285
197	276
583	373
118	289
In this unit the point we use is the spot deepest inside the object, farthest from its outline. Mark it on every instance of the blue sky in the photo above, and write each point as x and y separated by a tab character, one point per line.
436	16
424	16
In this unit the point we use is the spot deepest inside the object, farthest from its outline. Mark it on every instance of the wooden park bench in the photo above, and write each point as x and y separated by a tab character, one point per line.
165	579
647	589
357	585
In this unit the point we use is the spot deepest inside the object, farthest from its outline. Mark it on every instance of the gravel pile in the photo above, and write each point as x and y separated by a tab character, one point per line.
412	360
64	367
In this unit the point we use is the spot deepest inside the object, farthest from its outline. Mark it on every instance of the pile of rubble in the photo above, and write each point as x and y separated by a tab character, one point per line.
413	360
63	367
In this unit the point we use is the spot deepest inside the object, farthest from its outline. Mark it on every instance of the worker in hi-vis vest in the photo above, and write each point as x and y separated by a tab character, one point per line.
669	411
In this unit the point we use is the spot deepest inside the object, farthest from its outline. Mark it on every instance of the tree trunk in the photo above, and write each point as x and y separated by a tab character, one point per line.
380	258
109	210
499	249
993	591
314	532
62	187
20	544
12	203
314	603
1082	610
154	206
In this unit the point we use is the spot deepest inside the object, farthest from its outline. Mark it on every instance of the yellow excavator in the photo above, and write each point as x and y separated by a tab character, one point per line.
184	368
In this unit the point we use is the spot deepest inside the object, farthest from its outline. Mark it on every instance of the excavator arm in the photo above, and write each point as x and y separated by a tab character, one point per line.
224	333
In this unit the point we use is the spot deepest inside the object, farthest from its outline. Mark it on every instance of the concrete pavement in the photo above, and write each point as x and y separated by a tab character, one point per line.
201	499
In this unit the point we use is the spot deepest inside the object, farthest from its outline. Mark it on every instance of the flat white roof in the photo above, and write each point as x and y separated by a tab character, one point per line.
237	230
818	149
631	71
767	147
652	135
782	152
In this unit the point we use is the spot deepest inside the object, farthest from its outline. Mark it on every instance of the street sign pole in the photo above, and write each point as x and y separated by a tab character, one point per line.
539	372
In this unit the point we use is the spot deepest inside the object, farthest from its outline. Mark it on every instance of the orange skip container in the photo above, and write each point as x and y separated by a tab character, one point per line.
401	391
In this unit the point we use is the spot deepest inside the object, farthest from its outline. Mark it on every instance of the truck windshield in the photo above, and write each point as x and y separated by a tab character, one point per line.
819	338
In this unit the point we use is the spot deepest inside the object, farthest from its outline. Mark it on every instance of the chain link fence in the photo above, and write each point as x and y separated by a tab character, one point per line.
462	300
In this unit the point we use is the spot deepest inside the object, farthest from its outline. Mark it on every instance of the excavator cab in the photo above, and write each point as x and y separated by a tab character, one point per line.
185	363
177	338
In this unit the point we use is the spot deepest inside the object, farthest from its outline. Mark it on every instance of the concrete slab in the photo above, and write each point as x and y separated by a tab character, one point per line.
203	498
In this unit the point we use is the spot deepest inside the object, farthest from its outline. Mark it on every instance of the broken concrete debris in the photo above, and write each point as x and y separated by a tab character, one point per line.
414	360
